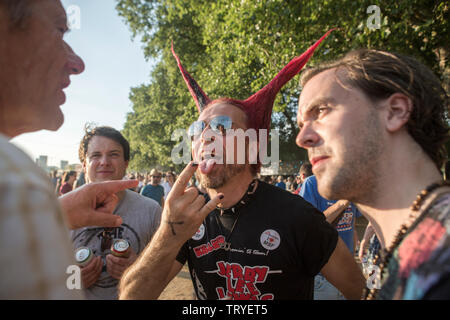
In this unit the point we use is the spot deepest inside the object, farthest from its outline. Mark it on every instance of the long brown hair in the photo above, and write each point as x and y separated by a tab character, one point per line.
67	175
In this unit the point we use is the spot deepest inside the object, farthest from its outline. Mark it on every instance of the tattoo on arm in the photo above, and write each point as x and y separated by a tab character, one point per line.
171	223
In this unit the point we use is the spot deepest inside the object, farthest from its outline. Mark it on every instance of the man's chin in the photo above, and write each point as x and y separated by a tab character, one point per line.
104	178
220	175
57	120
211	180
328	187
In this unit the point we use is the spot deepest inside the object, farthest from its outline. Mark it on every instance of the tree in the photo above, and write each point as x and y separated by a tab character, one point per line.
233	48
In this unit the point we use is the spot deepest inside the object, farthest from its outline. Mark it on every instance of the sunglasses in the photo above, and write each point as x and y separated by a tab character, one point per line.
159	177
217	124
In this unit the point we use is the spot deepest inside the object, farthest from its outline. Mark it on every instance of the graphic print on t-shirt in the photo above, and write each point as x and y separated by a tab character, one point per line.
92	238
241	281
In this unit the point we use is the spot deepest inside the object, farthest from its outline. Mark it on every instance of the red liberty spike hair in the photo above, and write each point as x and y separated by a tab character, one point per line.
258	107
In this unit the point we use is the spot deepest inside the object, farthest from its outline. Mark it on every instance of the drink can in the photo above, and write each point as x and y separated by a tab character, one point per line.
120	248
83	256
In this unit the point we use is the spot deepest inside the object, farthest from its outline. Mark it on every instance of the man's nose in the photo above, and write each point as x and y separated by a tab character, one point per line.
104	160
207	135
75	64
307	137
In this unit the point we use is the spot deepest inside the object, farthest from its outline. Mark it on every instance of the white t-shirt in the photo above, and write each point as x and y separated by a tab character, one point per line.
141	217
167	188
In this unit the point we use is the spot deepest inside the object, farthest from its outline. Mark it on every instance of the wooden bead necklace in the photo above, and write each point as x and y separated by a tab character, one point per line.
372	293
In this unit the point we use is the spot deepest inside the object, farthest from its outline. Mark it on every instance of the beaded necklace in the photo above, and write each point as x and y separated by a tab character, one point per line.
414	216
243	201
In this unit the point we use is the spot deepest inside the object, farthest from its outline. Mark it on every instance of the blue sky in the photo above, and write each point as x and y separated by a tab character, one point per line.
114	64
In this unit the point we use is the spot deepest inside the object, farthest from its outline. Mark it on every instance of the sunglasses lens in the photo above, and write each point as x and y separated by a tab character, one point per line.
220	124
196	128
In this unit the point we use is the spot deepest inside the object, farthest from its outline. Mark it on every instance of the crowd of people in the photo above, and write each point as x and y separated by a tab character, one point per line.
374	124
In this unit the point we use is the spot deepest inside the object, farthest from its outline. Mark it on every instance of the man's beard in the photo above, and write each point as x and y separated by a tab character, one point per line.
221	176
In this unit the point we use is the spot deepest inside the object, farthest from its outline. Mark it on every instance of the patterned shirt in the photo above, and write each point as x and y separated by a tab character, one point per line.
420	266
35	247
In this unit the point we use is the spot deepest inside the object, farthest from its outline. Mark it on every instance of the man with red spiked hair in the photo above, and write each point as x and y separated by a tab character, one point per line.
251	240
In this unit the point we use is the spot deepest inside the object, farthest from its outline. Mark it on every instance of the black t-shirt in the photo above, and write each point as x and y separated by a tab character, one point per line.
278	244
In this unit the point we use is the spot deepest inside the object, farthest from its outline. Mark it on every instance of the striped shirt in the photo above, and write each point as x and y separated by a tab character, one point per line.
35	250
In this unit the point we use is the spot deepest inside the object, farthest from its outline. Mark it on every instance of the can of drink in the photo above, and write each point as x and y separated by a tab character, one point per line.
83	256
120	248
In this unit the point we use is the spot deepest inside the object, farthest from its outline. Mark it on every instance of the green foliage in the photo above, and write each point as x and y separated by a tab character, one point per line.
233	48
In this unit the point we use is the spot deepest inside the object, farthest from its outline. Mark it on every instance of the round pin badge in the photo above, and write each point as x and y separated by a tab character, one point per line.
270	239
200	233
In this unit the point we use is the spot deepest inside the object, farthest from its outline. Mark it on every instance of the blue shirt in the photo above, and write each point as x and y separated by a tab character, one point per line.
281	185
346	223
153	192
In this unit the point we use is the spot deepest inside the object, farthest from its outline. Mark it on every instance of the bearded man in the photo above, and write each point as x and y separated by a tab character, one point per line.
251	240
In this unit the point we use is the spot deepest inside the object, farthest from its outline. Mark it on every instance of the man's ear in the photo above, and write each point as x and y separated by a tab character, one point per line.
399	108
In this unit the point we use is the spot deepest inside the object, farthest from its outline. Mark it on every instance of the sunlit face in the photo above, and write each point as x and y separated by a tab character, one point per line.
170	178
72	179
220	173
155	178
340	128
36	64
104	160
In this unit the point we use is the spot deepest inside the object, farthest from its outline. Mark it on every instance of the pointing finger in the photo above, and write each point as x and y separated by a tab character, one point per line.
101	219
113	186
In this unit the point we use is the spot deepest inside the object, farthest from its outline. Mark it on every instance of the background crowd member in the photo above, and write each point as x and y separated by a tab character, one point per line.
290	184
304	172
154	189
168	184
342	215
36	64
54	179
105	153
68	180
280	183
375	126
80	181
141	184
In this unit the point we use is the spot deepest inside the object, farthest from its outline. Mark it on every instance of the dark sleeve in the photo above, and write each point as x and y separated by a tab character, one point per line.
183	254
319	242
441	291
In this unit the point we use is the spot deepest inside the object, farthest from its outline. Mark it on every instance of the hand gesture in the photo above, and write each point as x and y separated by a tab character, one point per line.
185	209
91	272
93	204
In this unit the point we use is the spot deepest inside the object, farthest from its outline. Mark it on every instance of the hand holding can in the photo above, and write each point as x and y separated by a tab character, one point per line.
83	256
120	248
